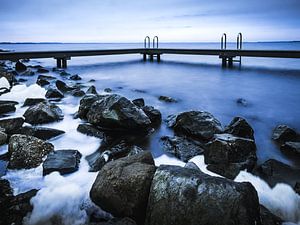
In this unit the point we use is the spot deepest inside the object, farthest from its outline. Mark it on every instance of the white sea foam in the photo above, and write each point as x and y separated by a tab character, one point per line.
4	83
167	160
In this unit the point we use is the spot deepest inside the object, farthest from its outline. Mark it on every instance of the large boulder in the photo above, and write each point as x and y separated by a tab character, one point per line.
283	133
117	112
10	125
198	124
187	196
182	148
122	186
43	133
227	155
273	172
85	104
99	158
240	127
267	218
43	113
26	151
63	161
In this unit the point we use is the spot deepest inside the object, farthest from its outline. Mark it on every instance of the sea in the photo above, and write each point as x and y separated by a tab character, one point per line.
269	89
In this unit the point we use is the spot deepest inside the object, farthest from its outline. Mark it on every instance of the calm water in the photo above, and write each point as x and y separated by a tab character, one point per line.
271	88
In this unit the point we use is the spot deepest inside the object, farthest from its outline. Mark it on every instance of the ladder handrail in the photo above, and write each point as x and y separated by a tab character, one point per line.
224	41
153	44
239	41
147	38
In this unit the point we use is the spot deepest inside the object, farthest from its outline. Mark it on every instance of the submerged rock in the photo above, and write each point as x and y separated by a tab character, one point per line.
108	90
75	77
117	112
227	155
92	90
43	113
43	133
198	124
283	133
273	172
186	196
10	125
291	148
63	161
20	67
7	106
122	186
90	130
26	151
240	127
33	101
167	99
242	102
182	148
42	70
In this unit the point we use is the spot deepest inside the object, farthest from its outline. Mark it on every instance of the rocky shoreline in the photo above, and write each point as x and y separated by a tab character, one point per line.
129	185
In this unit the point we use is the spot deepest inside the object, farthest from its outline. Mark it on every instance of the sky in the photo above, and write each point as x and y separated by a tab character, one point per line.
132	20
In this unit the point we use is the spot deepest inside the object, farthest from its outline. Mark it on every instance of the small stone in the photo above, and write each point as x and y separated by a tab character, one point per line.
42	70
242	102
90	130
75	77
54	93
167	99
108	90
92	90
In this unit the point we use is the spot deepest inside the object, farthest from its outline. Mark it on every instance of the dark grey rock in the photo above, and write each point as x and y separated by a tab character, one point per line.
92	90
228	154
283	133
139	102
42	70
242	102
42	82
85	104
273	172
122	186
167	99
62	161
117	112
182	148
33	101
78	93
10	76
43	113
198	124
3	138
291	148
153	114
10	125
297	188
108	90
20	67
240	127
7	106
171	121
54	93
116	221
63	87
43	133
267	218
186	196
192	166
90	130
64	73
26	151
75	77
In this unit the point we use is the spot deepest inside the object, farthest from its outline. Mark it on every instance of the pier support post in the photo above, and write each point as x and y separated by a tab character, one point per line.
64	63
151	58
58	63
224	62
144	57
158	57
230	62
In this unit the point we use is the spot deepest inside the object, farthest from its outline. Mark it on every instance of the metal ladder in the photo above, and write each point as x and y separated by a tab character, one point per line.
147	44
239	45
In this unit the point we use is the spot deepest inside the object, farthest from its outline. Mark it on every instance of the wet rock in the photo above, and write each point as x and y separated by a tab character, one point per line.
46	77
14	208
54	93
242	102
85	104
267	218
99	158
291	148
297	188
77	93
42	70
75	77
62	161
228	154
198	124
92	90
7	106
186	196
139	102
240	127
33	101
26	151
21	80
90	130
117	112
10	125
283	133
63	87
64	73
153	114
3	138
43	133
20	67
129	180
9	76
273	172
167	99
108	90
171	121
116	221
182	148
192	166
42	82
28	72
43	113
